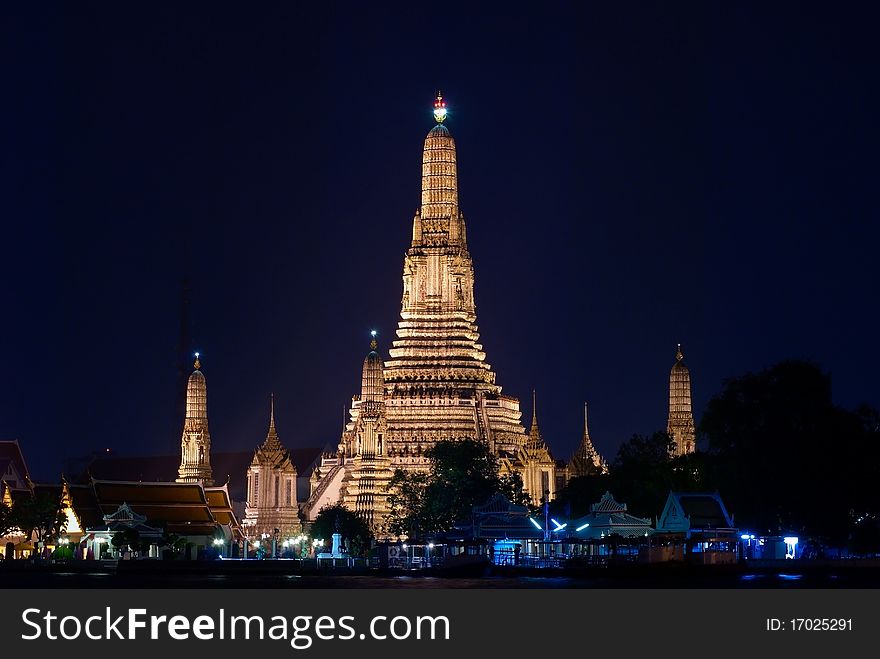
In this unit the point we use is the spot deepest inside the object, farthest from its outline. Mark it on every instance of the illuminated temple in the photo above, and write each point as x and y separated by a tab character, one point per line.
680	425
436	383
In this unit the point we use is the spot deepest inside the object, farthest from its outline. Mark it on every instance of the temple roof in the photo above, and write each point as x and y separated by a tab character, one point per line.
12	461
163	468
586	459
271	447
439	131
694	511
608	517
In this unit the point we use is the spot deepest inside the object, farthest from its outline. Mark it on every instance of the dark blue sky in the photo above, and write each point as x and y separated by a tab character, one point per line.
633	175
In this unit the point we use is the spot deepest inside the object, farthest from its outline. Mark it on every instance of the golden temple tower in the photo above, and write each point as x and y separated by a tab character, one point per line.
438	384
271	488
195	443
535	462
681	418
368	468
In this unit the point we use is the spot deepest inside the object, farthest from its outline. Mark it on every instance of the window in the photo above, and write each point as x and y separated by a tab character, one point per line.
288	494
276	491
256	487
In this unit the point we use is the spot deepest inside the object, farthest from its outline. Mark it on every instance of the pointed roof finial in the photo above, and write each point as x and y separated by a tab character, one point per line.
678	354
272	410
197	364
586	425
439	108
534	408
373	344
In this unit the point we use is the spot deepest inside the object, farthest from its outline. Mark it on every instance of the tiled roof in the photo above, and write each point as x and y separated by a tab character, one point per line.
164	468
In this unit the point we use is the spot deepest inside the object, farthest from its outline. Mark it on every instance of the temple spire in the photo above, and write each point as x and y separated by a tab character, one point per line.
272	442
272	411
195	442
439	175
680	425
586	459
534	410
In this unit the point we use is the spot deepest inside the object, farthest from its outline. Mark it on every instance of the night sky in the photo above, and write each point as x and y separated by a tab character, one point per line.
632	176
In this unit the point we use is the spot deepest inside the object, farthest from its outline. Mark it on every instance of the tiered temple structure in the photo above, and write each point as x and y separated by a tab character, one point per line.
437	382
195	443
364	485
271	508
586	460
681	417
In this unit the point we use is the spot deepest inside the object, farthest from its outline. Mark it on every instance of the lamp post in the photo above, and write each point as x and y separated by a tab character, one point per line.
546	515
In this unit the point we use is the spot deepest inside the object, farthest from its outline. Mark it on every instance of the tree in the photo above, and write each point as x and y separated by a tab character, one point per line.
463	474
7	520
40	515
130	538
641	476
787	459
405	498
337	518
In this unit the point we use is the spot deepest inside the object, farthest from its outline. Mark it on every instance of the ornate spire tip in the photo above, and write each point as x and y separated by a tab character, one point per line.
678	354
439	108
373	344
197	364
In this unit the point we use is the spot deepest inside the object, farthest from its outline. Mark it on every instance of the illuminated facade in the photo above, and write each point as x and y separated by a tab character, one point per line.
436	383
363	446
195	443
534	462
271	489
681	417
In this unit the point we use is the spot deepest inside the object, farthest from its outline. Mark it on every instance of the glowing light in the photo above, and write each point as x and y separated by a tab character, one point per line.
439	108
745	536
430	545
581	527
537	526
373	333
404	546
791	540
218	541
197	355
72	523
559	526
